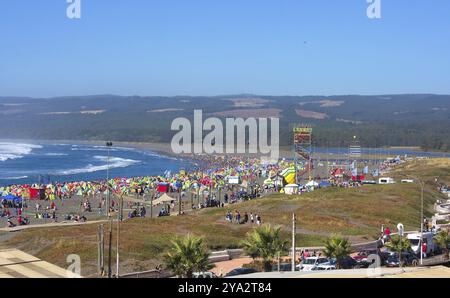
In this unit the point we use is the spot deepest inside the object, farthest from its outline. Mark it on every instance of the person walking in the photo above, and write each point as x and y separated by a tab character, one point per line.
252	219
424	249
245	217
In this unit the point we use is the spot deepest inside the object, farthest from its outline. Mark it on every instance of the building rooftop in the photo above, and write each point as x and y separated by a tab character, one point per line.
16	263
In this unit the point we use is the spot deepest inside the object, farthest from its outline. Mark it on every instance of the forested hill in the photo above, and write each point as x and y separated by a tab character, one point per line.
385	120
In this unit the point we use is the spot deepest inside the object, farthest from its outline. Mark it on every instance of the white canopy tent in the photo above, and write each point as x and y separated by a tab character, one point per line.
291	189
163	199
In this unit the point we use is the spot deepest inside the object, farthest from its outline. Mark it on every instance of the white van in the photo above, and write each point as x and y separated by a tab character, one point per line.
414	239
312	262
386	180
407	181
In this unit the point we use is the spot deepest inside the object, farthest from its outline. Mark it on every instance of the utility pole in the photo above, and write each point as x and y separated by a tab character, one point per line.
108	197
110	249
101	247
119	219
422	186
151	203
421	223
179	202
278	262
293	242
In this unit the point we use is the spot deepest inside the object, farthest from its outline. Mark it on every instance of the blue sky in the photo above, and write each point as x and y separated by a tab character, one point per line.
215	47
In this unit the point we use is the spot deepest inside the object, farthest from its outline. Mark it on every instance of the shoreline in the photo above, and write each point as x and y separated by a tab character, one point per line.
166	150
161	148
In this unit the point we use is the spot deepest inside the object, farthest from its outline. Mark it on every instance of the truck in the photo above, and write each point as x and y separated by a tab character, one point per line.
427	237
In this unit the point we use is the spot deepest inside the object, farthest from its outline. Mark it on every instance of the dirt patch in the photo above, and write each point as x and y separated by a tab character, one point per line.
247	113
311	114
325	103
248	102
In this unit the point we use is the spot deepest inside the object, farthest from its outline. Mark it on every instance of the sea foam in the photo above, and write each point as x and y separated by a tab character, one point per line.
15	150
114	162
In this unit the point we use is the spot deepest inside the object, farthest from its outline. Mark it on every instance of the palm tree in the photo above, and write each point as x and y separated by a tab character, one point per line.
188	255
399	244
443	240
265	242
337	247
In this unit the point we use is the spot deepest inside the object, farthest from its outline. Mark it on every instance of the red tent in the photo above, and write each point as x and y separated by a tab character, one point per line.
358	178
34	193
337	172
163	187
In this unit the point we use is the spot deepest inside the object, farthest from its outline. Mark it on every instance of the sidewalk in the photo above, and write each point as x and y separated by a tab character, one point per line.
49	225
226	266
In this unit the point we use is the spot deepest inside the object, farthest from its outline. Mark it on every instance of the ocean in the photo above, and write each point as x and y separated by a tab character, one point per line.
34	162
26	162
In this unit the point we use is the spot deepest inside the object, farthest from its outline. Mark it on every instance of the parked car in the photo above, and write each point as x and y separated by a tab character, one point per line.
240	271
311	262
284	267
361	257
325	267
408	259
349	263
204	275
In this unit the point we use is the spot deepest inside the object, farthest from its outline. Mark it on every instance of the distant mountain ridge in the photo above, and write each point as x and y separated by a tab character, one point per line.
379	120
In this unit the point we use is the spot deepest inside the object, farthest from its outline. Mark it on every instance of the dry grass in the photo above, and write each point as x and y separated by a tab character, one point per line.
357	213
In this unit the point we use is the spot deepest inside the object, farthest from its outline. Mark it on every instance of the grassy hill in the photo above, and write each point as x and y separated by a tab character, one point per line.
355	212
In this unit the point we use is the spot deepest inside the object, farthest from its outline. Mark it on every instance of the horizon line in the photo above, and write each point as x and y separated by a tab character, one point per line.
219	95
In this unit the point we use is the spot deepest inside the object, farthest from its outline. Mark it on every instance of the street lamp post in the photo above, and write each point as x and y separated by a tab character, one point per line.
421	222
119	219
108	197
293	242
422	186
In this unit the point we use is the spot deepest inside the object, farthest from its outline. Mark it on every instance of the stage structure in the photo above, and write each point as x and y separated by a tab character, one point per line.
303	150
354	150
354	155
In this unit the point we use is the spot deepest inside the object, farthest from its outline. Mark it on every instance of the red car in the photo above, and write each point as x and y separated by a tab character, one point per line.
362	255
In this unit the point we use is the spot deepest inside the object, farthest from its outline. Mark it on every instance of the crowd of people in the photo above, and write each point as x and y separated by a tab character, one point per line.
236	217
208	178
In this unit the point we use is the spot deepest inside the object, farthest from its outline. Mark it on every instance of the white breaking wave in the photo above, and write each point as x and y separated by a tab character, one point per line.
15	150
114	162
15	178
56	154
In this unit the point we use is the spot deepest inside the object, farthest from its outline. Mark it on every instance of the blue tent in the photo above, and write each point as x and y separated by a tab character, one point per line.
324	184
11	198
